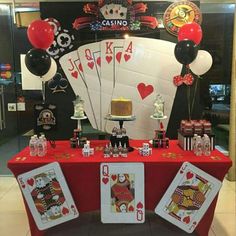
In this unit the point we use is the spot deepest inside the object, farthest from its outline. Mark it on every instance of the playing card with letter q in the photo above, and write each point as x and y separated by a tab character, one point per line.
188	197
122	193
48	196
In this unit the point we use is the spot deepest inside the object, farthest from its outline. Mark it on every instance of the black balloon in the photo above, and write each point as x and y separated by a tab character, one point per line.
186	51
37	61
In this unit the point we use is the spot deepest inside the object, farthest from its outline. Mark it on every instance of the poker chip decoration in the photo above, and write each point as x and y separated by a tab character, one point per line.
63	39
180	13
54	23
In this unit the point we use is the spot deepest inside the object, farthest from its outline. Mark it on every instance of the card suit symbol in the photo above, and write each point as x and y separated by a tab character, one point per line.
140	205
23	185
131	208
186	219
194	223
99	61
113	177
181	172
80	67
145	90
118	56
65	211
91	64
108	59
105	180
75	74
189	175
30	181
127	57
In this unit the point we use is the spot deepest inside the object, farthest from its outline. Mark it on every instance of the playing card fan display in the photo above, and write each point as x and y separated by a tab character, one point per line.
48	196
188	197
122	192
133	68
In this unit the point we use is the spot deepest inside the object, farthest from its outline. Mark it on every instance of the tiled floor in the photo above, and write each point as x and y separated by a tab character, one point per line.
13	219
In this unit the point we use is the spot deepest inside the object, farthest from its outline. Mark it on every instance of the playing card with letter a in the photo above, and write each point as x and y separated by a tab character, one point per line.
146	69
122	193
73	70
111	51
48	196
89	55
188	197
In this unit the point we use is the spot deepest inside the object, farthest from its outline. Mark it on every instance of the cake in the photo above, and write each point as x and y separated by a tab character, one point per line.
158	107
78	107
121	107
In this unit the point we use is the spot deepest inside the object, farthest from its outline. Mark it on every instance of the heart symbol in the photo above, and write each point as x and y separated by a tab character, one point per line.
80	67
186	219
189	175
65	211
75	74
118	56
131	208
108	59
144	90
113	177
140	205
105	180
30	182
99	61
23	186
91	65
127	57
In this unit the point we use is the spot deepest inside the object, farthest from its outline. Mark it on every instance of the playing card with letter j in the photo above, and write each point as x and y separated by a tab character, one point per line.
48	196
188	197
122	193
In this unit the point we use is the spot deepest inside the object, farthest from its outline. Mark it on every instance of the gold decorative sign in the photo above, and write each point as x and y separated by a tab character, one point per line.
180	13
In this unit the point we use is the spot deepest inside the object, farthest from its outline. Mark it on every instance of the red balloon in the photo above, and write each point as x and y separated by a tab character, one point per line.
40	34
190	31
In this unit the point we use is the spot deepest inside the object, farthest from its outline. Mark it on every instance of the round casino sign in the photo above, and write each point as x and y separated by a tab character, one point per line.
180	13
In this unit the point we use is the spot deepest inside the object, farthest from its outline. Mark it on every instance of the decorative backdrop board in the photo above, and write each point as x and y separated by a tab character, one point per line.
85	36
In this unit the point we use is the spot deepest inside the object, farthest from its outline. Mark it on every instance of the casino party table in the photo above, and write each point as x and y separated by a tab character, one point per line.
83	173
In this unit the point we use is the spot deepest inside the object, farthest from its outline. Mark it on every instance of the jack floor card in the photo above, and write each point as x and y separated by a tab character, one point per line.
122	193
48	196
73	70
188	197
146	68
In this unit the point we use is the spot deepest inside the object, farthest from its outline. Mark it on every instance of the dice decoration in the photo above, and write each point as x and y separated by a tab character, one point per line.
145	150
87	150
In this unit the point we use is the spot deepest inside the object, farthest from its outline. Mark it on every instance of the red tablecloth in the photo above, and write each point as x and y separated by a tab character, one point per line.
82	173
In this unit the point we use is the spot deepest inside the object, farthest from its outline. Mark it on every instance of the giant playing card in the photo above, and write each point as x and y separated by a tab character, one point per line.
146	69
48	196
188	197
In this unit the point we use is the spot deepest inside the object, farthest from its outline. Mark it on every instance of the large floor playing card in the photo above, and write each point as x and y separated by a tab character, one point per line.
188	197
73	70
146	68
122	193
48	196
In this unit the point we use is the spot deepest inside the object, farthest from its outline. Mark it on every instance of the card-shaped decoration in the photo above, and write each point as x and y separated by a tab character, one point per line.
188	197
122	193
48	196
45	117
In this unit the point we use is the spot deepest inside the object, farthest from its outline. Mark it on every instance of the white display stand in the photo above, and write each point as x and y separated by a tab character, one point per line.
79	121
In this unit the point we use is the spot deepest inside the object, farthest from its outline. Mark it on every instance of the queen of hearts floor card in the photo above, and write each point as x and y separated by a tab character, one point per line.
188	197
48	196
122	193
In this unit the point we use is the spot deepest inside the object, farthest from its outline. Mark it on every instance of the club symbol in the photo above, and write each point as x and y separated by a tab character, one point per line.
53	50
58	83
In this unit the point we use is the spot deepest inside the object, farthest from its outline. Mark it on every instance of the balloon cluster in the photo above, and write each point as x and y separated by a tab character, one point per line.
38	62
186	50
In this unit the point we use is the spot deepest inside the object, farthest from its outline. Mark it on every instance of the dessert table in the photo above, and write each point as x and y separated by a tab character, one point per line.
82	173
